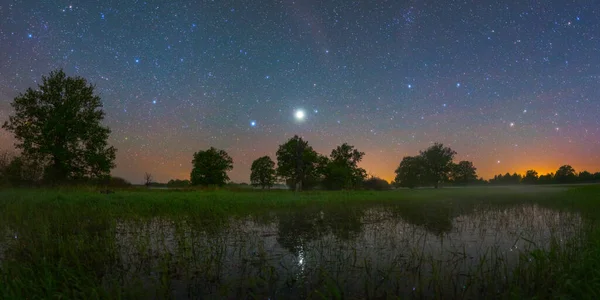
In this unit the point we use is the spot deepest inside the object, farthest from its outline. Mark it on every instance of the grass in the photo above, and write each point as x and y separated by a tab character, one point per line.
493	242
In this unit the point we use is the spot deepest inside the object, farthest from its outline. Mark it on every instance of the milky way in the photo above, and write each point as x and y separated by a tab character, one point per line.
509	86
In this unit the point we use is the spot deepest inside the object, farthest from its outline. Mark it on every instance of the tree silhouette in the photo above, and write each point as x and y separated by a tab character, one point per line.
464	172
531	177
263	172
585	176
147	179
377	184
342	171
210	167
298	164
546	179
437	163
411	171
565	174
59	126
178	183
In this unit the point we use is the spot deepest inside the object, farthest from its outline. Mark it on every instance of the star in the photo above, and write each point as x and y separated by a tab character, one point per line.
410	86
512	124
137	60
299	115
458	84
253	123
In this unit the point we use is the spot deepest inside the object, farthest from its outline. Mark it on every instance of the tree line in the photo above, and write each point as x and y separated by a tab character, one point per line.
565	174
59	133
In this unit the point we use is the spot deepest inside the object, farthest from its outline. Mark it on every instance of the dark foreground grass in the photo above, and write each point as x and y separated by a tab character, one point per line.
70	244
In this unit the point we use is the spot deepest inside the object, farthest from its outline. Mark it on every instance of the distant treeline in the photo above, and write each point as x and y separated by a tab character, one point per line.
564	175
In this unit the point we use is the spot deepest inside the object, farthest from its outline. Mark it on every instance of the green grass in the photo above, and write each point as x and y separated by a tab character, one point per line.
137	243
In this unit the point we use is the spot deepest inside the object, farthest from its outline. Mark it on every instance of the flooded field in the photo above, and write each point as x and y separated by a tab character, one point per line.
375	254
353	250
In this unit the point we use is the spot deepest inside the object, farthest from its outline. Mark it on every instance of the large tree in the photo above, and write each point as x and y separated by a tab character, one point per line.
263	172
342	171
298	164
59	126
565	174
531	177
411	172
209	167
464	173
437	163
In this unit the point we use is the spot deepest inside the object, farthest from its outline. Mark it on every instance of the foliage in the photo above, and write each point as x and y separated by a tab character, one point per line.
176	183
19	170
342	171
298	164
565	174
210	167
118	182
531	177
463	173
437	163
411	172
263	172
376	184
507	179
59	126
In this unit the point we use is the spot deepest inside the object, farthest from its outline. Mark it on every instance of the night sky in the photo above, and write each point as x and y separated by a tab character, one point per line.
508	86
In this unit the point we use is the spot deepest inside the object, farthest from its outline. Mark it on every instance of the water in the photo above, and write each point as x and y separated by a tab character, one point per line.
376	252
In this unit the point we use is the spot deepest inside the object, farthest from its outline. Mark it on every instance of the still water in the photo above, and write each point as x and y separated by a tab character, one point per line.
376	252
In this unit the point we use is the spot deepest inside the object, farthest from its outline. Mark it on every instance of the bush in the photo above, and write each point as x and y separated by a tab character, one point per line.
376	184
118	182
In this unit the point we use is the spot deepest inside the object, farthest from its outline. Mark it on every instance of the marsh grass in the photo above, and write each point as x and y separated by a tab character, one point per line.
449	243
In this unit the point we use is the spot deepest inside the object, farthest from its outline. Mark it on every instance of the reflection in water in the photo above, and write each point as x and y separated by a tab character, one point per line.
364	252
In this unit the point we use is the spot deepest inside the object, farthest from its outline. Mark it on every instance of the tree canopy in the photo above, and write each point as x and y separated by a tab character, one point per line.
565	174
437	163
411	172
262	172
342	171
463	173
59	127
298	164
210	167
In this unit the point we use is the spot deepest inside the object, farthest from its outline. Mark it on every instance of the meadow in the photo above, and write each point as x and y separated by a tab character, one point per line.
466	243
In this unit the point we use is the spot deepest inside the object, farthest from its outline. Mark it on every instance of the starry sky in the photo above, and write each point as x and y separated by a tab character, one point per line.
509	85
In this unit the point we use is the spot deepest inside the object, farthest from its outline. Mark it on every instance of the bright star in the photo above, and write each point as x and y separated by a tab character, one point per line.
300	115
498	162
30	35
137	60
458	84
153	101
253	123
410	86
512	124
